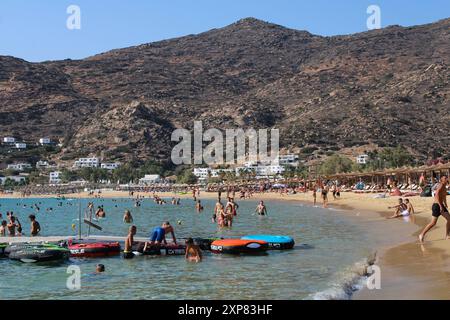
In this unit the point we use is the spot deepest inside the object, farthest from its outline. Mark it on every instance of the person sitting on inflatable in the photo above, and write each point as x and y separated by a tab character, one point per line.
159	235
128	251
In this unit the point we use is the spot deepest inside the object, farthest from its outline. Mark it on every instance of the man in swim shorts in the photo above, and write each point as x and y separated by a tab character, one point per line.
261	209
439	208
35	226
159	235
128	250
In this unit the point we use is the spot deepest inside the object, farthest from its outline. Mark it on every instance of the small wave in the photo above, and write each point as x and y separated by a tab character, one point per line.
347	282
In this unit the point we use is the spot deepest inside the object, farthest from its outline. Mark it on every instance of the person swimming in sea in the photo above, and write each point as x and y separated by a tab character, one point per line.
261	209
100	212
193	252
127	217
198	206
99	268
128	250
159	235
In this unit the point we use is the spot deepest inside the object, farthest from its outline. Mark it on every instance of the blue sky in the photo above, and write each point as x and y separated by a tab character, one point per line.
36	30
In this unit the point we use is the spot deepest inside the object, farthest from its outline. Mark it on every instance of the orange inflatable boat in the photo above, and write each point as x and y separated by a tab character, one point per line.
237	246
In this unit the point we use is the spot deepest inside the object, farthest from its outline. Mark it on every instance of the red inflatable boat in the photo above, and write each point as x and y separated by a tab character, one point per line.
93	249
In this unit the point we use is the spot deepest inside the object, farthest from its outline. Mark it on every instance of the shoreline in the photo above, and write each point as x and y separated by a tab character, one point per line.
408	270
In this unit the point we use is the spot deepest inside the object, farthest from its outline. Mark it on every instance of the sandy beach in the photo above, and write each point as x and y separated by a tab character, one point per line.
409	270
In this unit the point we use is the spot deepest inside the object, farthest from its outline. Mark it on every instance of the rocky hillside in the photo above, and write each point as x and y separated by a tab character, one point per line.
380	88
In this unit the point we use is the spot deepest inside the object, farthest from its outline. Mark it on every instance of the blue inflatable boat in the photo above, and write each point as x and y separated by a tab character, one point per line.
275	242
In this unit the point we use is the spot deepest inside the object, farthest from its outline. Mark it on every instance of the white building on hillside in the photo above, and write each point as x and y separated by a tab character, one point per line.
201	173
9	140
149	179
55	177
17	179
87	163
262	171
288	160
19	166
110	166
215	173
41	164
20	145
362	159
44	141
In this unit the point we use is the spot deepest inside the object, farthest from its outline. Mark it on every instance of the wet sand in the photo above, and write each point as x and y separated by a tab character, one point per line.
408	270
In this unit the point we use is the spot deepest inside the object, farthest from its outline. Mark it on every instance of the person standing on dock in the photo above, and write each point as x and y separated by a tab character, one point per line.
439	208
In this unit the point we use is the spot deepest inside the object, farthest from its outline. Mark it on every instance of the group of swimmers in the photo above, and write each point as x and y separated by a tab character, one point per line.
13	227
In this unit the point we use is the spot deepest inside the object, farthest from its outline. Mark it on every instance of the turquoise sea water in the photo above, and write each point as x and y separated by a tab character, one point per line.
327	246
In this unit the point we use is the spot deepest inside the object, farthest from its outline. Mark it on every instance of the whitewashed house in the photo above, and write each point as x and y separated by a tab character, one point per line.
44	141
149	179
110	166
288	160
41	164
55	177
201	173
87	163
362	159
17	179
9	140
19	166
20	145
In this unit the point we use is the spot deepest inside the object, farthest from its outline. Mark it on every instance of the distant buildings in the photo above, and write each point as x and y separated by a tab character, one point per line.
362	159
20	145
201	173
95	163
149	179
44	141
16	179
288	160
87	163
19	166
54	177
9	140
110	166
